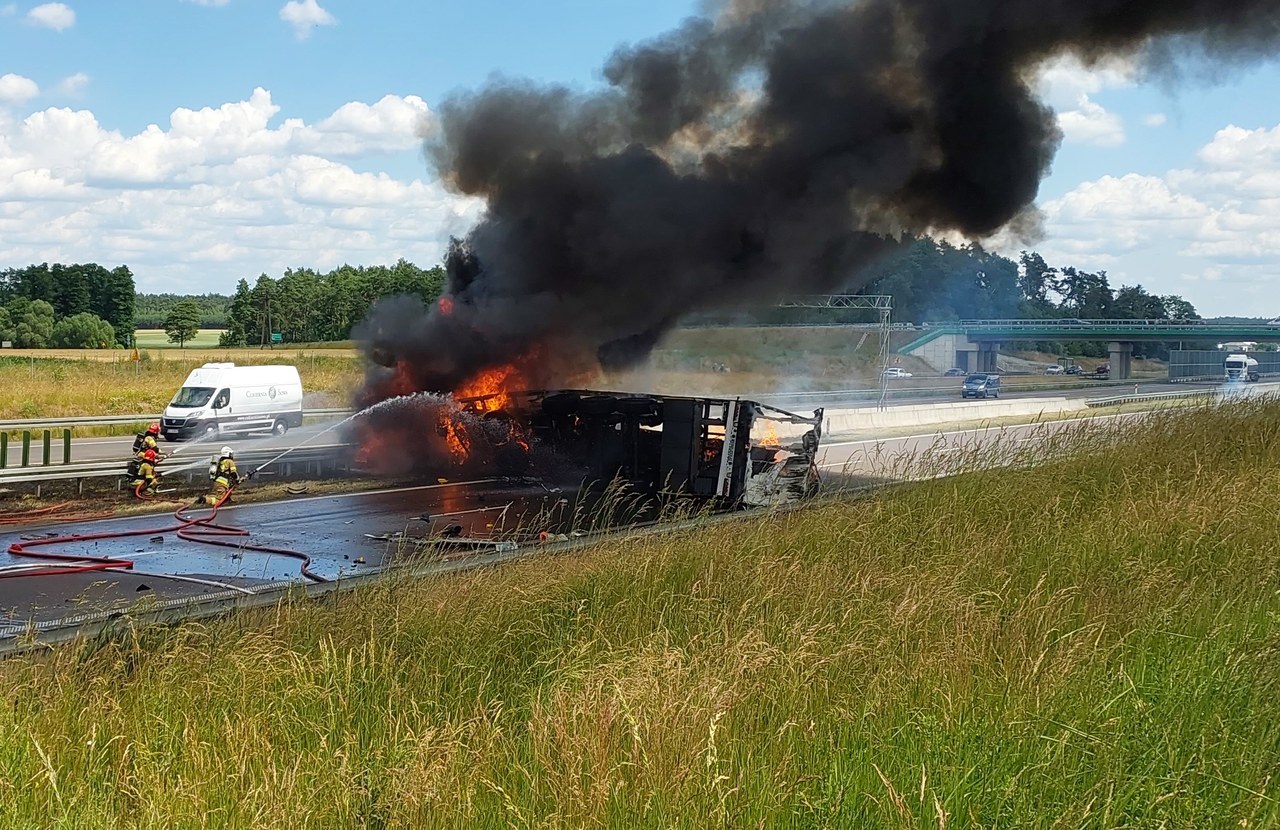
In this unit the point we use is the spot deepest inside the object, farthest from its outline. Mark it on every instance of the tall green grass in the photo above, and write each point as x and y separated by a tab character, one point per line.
1090	642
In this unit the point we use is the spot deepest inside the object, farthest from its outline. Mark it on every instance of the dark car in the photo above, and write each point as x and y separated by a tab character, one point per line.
981	385
953	373
1074	370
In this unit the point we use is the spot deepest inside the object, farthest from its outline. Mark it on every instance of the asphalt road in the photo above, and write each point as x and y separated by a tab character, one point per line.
339	531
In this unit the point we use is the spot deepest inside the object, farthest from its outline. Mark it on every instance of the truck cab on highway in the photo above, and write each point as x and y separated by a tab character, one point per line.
1240	368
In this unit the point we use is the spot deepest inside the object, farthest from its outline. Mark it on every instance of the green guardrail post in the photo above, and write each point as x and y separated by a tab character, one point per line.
4	449
66	446
26	447
46	447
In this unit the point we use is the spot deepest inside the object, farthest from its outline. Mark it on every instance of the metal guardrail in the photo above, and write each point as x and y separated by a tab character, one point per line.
194	463
109	420
1117	400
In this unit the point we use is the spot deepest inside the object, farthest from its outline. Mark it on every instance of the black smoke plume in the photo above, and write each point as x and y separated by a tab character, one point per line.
773	149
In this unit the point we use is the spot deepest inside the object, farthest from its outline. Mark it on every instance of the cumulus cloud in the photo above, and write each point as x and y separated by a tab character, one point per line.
1180	232
56	16
305	15
1090	123
220	193
17	89
72	85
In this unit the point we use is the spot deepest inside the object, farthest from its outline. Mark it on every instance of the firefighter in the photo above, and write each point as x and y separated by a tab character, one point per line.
147	478
147	441
225	476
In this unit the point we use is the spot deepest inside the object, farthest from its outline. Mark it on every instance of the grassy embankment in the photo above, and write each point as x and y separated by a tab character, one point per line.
1091	643
38	386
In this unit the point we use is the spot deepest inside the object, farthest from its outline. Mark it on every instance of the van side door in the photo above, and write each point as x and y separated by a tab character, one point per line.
221	405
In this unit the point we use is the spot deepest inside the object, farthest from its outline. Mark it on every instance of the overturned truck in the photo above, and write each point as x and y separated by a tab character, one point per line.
731	452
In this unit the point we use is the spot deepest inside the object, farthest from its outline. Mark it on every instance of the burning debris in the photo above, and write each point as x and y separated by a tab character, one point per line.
657	445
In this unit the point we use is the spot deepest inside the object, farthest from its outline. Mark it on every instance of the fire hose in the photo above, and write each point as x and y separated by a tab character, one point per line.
189	528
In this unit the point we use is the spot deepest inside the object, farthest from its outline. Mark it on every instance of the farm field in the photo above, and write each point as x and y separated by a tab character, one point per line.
41	386
157	339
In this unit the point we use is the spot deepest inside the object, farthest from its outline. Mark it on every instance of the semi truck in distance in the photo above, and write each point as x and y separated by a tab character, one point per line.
1240	368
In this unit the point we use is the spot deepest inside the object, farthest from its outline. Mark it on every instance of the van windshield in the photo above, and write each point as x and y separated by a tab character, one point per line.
976	379
192	396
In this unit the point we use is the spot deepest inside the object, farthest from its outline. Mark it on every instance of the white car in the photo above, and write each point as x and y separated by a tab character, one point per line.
895	372
1054	370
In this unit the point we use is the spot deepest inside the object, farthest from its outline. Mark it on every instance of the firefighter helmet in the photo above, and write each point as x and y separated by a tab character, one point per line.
154	429
149	456
227	452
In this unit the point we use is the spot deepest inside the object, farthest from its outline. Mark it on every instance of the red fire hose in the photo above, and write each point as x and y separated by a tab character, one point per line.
188	528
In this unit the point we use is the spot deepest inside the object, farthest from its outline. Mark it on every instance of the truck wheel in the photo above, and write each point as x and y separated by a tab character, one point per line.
279	428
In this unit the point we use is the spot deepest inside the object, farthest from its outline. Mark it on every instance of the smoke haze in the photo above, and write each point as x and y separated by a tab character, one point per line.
772	148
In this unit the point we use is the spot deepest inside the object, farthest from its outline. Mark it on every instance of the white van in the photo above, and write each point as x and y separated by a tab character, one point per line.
226	399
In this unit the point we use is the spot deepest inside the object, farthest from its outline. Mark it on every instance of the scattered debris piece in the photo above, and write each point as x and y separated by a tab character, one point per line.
157	540
452	532
142	586
359	560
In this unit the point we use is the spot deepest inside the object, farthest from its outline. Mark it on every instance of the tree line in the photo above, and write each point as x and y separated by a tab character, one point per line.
152	310
305	306
66	306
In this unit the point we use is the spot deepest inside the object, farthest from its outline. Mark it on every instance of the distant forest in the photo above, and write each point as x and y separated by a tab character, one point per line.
151	309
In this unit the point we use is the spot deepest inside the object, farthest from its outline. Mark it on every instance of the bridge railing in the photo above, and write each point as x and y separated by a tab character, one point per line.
1110	325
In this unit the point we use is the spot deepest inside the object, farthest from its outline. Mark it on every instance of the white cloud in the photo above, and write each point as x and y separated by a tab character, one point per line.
72	85
305	15
221	192
17	89
1214	221
1064	80
1155	119
1090	123
56	16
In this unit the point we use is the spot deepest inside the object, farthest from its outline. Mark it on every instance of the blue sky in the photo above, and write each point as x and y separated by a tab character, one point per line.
201	142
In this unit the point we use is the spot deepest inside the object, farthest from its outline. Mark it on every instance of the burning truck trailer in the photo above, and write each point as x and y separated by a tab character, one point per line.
727	452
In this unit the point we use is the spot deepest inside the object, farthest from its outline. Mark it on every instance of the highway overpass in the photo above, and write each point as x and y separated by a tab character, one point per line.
972	345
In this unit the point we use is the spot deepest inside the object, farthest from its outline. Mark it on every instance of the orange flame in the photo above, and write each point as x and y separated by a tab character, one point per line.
455	438
770	437
490	390
445	305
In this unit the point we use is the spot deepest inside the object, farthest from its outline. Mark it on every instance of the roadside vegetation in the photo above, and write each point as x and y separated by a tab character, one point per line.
47	387
1093	641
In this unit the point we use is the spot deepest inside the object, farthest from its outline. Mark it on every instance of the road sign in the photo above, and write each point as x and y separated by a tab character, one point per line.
277	337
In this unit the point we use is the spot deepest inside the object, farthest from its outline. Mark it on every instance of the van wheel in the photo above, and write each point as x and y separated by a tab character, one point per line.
210	430
279	428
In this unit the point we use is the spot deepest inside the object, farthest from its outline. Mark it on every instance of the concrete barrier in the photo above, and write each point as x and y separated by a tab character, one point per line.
843	421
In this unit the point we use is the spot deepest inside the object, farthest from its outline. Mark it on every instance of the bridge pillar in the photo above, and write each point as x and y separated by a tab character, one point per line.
1121	360
987	354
